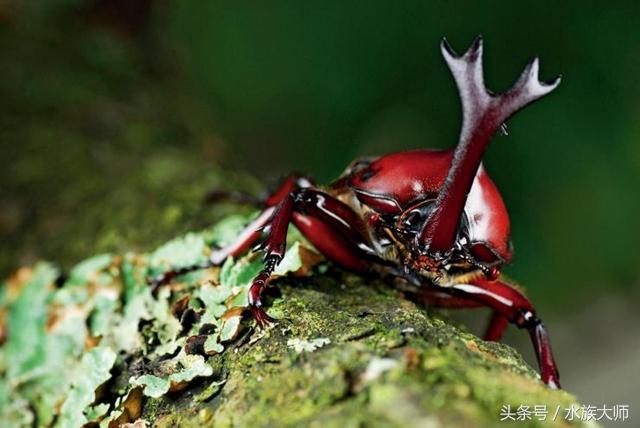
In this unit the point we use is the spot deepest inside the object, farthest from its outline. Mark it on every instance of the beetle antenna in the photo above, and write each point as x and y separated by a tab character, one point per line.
483	114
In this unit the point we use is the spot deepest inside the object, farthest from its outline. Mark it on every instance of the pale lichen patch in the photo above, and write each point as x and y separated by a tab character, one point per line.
301	345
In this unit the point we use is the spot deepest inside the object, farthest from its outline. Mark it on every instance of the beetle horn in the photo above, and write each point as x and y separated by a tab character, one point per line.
483	114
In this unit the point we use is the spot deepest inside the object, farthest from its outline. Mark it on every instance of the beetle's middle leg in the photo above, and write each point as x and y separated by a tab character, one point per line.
497	324
511	305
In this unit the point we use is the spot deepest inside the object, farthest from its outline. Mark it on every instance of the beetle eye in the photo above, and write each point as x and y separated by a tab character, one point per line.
412	220
483	254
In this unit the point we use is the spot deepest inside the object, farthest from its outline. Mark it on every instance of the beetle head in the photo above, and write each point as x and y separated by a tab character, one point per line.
468	255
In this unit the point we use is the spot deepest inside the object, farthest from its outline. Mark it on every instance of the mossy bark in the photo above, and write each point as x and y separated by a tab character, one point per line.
346	351
387	363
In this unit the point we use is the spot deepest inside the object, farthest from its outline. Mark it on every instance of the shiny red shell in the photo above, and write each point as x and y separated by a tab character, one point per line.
392	183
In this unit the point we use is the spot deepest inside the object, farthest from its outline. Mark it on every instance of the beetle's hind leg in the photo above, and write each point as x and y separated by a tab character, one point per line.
497	326
216	196
267	199
247	238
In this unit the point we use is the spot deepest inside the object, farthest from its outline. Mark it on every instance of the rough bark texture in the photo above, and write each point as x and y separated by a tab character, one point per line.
388	363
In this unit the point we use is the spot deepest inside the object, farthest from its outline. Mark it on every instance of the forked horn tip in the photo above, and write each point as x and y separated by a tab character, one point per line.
535	66
553	83
530	84
447	50
474	51
476	46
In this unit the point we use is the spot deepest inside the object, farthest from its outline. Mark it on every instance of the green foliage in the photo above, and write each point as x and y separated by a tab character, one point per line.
94	370
64	343
182	368
26	347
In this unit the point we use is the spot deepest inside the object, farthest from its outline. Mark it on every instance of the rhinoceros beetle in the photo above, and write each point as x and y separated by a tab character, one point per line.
432	217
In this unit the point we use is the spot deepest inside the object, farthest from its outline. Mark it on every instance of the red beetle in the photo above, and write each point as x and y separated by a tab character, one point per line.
431	217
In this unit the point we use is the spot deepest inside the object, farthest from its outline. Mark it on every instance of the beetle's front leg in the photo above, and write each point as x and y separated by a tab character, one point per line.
274	246
511	304
332	227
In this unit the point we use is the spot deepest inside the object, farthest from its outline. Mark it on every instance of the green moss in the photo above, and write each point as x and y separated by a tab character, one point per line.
442	375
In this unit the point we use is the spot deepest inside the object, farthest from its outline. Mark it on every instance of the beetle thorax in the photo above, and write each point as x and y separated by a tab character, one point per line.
393	239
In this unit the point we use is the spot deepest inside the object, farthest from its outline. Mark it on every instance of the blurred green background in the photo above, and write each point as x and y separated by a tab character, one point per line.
117	116
312	87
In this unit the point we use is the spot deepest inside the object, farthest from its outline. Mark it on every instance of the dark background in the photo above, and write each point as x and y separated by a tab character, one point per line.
116	116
